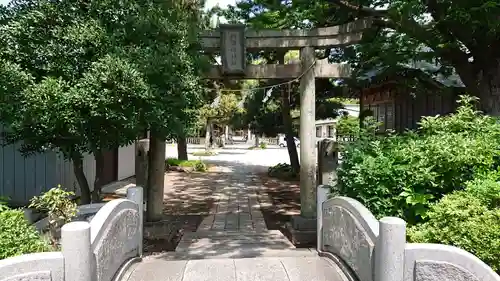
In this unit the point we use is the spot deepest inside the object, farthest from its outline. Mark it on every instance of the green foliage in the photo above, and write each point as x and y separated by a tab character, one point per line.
348	126
204	153
3	204
58	203
197	165
435	38
82	77
43	118
17	237
468	219
113	101
263	145
222	111
344	100
401	175
283	171
200	166
161	41
60	208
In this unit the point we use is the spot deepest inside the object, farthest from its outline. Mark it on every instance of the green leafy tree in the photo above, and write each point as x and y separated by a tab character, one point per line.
85	96
161	39
449	32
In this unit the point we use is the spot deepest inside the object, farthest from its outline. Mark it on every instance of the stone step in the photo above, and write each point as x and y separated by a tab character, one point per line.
245	251
231	244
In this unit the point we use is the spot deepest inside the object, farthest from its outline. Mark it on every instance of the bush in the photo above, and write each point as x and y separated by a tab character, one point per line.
3	204
263	145
283	171
180	163
401	175
17	237
197	165
200	166
204	153
348	126
59	206
467	219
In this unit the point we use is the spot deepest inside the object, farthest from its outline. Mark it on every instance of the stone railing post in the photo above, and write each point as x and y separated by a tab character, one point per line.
390	250
136	195
141	163
322	196
79	264
328	160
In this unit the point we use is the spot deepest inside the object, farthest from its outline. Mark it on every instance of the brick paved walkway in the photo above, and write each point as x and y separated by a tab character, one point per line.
236	207
235	226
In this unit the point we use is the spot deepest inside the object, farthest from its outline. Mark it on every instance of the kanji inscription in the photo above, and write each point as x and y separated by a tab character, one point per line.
233	49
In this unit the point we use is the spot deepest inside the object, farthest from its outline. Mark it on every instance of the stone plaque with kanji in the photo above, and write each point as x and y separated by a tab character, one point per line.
233	49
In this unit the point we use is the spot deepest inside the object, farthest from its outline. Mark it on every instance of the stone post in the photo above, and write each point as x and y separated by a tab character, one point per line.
390	250
136	195
79	263
328	159
307	135
322	195
141	162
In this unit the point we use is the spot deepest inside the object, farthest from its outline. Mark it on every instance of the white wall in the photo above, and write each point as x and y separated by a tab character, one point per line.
126	162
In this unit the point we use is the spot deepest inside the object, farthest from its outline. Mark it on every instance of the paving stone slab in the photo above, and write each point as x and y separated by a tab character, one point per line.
260	269
210	270
311	269
150	270
306	268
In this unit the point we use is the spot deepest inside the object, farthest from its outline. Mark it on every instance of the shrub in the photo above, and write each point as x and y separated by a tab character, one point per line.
3	204
200	166
180	163
283	171
17	237
348	126
401	175
468	219
59	207
263	145
204	153
197	165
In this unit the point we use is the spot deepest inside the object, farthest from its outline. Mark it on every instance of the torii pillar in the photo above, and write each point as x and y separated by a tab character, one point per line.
307	136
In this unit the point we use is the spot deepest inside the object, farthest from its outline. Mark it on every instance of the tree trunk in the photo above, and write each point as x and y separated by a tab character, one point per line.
156	177
208	134
99	175
77	160
489	91
182	153
288	126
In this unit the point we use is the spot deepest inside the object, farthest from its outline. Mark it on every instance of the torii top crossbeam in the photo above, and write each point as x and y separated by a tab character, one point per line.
234	40
291	39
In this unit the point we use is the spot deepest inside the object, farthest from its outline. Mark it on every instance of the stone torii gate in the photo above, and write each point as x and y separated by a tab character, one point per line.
233	41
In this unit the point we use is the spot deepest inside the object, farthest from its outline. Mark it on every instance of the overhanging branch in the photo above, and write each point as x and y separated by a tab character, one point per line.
360	9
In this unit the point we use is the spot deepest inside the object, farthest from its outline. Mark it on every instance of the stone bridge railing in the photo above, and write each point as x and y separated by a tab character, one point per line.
368	249
95	251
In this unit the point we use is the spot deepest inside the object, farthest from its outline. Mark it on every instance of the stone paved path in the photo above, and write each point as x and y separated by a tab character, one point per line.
235	227
236	207
252	269
234	244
